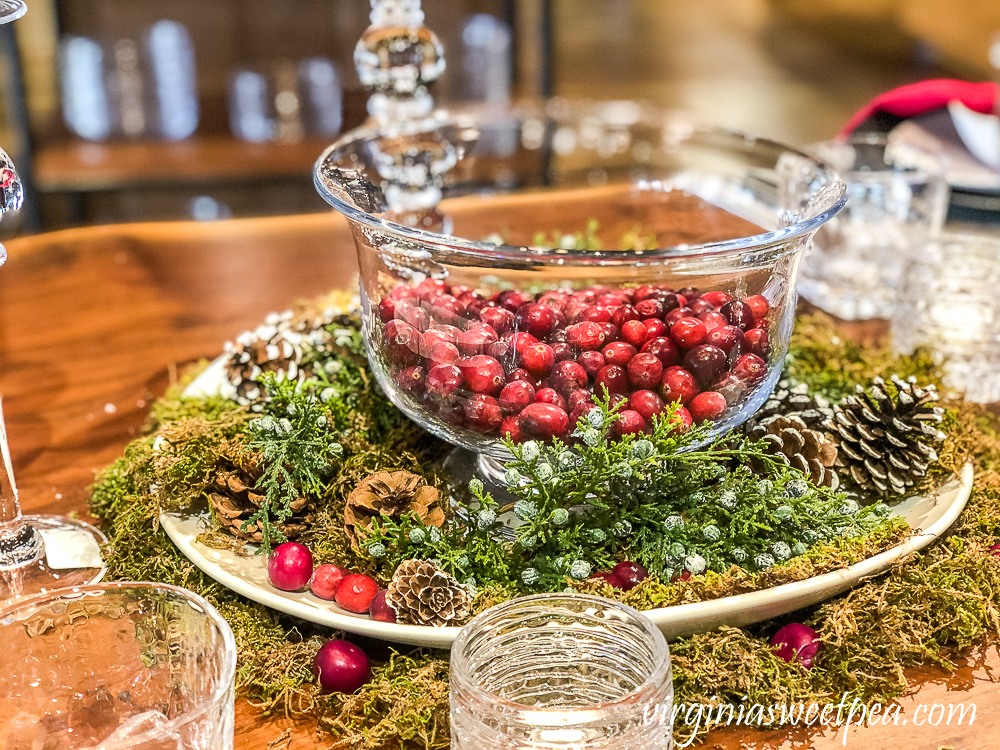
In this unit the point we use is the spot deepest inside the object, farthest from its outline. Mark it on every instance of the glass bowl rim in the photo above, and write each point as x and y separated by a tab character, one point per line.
226	677
914	175
464	247
660	648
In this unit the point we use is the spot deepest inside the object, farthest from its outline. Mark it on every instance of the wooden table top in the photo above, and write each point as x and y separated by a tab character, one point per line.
94	323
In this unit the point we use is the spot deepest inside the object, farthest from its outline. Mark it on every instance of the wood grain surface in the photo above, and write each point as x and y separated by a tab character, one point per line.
95	322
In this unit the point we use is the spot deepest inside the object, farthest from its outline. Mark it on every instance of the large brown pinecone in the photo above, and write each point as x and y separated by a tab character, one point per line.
810	451
423	594
789	399
390	494
234	498
886	439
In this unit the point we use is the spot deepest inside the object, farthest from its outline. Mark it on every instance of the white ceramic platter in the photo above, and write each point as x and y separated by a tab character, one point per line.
247	575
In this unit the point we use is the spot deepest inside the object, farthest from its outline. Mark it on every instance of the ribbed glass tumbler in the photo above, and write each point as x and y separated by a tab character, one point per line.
552	672
116	667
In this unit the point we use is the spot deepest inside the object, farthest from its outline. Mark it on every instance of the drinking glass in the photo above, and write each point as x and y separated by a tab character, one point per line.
896	197
116	666
948	301
561	671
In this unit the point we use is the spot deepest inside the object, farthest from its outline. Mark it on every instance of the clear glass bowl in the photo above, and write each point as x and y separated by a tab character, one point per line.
116	666
467	213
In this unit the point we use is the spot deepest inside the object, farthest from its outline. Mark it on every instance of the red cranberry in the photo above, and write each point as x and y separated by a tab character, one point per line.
543	421
326	579
503	352
750	368
428	289
356	592
412	380
402	343
462	290
379	610
706	363
738	314
475	340
679	314
482	413
612	377
732	388
717	299
654	328
341	667
713	320
628	422
512	300
612	299
387	309
443	353
681	419
574	309
443	381
645	371
728	338
555	300
550	396
596	314
665	350
402	292
591	362
647	403
538	320
473	308
290	566
439	334
538	359
619	353
688	333
579	412
483	374
609	332
415	316
522	341
678	385
579	396
624	314
562	351
499	319
634	333
515	396
707	406
670	301
447	308
522	375
629	574
567	377
689	293
644	291
650	308
511	428
995	550
701	306
758	305
759	343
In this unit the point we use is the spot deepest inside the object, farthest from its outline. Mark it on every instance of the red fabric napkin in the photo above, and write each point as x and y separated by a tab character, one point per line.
918	98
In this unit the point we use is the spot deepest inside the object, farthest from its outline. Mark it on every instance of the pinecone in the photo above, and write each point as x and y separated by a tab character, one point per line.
234	499
392	495
423	594
810	451
787	399
886	442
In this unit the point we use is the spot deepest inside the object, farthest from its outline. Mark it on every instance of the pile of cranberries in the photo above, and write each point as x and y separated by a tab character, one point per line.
530	366
290	568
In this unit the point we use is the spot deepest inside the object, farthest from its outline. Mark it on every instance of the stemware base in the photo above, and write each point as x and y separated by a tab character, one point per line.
68	561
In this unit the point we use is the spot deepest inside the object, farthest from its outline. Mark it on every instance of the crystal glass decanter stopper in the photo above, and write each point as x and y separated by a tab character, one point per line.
11	10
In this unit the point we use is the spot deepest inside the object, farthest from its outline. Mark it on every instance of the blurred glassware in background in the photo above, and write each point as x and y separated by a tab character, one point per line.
118	665
130	88
285	101
897	197
948	301
486	60
561	671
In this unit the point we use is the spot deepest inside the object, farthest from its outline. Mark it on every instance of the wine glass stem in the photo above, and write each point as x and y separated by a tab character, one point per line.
20	543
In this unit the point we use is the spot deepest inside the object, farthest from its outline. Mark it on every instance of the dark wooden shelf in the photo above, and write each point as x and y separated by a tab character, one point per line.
78	166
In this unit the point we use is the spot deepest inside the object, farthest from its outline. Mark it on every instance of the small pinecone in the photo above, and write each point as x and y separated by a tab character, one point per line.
234	499
393	495
809	451
423	594
886	442
787	399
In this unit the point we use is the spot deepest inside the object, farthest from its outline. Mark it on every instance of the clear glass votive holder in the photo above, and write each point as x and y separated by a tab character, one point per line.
948	302
115	666
897	197
558	671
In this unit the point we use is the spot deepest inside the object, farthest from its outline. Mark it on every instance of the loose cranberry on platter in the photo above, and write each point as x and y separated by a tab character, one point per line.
379	610
707	406
645	371
550	396
619	353
326	579
706	363
515	396
678	385
538	359
612	377
290	566
628	422
356	592
750	368
543	421
482	413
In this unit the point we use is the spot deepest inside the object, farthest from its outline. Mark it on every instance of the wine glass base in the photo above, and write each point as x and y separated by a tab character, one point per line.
68	561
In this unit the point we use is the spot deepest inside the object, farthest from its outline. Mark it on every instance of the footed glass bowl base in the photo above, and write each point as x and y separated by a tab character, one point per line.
72	557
